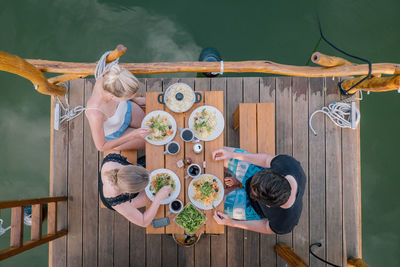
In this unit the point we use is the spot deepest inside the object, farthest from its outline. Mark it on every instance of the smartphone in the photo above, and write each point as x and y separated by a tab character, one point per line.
157	223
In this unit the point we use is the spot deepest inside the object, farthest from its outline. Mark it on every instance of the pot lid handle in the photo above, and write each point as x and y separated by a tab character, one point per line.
179	96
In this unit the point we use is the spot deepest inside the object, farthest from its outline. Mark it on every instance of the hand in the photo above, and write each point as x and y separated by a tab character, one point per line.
222	218
140	133
222	154
163	193
231	181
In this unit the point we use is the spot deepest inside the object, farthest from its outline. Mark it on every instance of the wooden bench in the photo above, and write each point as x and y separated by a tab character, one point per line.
131	156
256	124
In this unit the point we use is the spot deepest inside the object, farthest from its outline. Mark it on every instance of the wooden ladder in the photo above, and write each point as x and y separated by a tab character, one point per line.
17	224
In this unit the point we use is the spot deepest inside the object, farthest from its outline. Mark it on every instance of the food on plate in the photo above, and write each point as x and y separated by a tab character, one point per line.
190	218
180	104
206	190
160	127
159	180
205	122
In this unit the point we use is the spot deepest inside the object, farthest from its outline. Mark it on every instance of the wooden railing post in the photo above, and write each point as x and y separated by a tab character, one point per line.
36	228
17	227
373	84
19	66
288	255
52	218
356	262
328	61
118	52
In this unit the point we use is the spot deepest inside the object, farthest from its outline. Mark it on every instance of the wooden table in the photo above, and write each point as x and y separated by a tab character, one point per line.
156	160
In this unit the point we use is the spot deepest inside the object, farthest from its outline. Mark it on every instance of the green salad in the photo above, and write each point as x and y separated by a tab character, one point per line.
190	219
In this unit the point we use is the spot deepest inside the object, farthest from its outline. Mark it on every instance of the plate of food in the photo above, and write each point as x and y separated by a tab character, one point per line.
190	219
206	190
207	122
160	178
162	126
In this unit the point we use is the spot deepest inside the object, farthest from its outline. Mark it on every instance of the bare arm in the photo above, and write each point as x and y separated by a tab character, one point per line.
129	211
261	226
135	216
262	160
96	126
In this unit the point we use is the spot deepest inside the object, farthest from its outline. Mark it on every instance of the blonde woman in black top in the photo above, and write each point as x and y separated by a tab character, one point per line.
121	188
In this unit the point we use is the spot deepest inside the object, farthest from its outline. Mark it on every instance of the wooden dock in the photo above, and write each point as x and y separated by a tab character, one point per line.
331	205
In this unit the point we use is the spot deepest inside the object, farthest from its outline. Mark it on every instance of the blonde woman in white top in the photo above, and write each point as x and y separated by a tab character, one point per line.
114	114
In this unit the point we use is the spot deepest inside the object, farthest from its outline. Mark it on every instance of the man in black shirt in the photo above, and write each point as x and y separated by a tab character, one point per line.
271	200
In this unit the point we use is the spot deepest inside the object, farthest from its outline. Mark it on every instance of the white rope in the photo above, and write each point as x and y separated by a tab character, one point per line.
221	69
68	113
339	113
3	230
28	220
102	65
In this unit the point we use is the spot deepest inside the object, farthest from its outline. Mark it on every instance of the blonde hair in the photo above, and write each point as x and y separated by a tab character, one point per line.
120	82
129	179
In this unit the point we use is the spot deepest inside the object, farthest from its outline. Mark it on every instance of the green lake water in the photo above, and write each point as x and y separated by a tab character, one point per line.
281	31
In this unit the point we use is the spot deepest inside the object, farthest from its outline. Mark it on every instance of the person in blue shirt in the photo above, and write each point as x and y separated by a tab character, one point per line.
264	193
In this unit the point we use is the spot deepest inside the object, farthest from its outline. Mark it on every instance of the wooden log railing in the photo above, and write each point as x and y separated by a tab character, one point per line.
17	224
356	262
14	64
329	67
289	255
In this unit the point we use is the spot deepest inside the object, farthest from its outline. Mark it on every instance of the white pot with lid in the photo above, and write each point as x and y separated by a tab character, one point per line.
179	97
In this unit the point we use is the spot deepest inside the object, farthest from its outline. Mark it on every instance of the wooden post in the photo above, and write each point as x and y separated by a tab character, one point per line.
118	52
288	254
36	227
328	61
19	66
356	262
52	218
65	77
17	227
374	84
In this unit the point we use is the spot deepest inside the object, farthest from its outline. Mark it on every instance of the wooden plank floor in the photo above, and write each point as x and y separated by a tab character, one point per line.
331	205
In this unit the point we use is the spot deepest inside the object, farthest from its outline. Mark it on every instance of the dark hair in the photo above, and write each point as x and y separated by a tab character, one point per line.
270	188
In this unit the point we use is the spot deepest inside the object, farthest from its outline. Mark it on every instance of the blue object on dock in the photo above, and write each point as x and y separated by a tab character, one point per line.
28	214
210	54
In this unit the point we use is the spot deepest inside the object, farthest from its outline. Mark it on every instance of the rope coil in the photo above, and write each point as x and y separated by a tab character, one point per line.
3	230
339	113
69	113
102	66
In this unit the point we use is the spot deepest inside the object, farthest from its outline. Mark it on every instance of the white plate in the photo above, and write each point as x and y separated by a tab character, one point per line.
219	128
198	203
174	194
170	118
